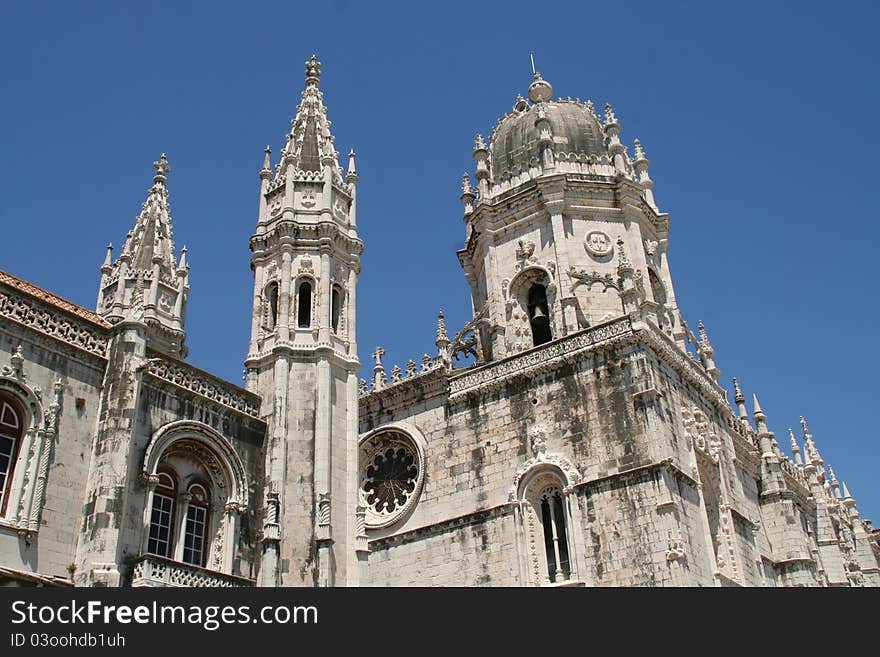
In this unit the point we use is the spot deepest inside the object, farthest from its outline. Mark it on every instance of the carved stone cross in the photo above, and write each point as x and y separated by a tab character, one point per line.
377	355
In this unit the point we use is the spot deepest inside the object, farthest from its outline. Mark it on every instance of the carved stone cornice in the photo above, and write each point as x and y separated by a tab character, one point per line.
539	359
57	318
203	384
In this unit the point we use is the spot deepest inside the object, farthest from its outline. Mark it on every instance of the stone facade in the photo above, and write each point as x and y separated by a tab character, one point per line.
586	441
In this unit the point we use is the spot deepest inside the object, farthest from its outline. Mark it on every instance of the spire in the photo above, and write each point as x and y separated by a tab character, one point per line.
760	418
267	163
310	143
846	494
795	449
151	239
352	174
108	259
442	335
835	485
145	282
707	352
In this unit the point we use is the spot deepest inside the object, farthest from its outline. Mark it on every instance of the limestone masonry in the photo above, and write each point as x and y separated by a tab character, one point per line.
583	439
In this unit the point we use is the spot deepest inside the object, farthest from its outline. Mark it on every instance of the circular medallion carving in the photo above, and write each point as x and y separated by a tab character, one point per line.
392	471
598	244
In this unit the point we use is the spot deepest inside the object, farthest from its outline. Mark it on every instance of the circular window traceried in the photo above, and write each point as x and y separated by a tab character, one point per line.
392	471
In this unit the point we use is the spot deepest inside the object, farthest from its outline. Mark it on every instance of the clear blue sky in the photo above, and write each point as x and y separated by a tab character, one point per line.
759	120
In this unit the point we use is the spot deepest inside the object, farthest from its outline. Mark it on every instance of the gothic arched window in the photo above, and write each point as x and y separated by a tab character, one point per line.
539	314
304	305
546	517
11	429
162	515
271	305
555	535
195	533
335	307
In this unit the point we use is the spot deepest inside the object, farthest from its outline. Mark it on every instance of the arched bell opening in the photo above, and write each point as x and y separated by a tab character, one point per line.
539	314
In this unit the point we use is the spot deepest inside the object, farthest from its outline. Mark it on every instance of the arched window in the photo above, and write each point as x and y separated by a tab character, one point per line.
162	516
539	315
271	305
555	536
195	533
335	307
304	305
11	429
546	516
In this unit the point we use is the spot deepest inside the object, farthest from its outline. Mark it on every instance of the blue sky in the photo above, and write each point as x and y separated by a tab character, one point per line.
758	118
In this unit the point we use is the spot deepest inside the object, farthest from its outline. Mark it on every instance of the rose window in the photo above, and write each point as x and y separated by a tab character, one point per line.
391	476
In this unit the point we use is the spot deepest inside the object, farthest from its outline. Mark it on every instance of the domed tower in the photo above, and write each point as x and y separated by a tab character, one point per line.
562	231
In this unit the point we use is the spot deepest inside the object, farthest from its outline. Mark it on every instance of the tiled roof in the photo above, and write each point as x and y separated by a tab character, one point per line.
52	299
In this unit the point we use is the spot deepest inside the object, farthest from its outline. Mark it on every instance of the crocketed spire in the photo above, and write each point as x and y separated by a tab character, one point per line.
151	240
309	146
145	283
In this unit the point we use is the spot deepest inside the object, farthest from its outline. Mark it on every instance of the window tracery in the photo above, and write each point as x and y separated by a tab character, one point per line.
392	472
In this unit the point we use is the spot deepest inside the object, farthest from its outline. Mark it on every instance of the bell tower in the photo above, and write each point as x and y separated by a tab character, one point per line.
302	358
562	230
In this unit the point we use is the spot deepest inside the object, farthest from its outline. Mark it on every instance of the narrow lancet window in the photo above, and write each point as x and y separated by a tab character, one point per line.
336	307
304	306
195	531
271	305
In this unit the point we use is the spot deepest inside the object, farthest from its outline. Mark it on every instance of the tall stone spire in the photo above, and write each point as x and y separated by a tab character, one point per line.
151	239
310	142
145	283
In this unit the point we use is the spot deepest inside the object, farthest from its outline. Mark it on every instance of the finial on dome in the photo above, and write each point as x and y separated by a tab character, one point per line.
610	117
540	91
162	170
313	71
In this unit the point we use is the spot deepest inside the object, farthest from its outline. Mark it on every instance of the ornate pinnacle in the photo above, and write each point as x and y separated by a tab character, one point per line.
313	71
805	428
466	188
610	118
352	171
183	266
442	335
704	338
737	392
162	170
846	494
479	144
640	152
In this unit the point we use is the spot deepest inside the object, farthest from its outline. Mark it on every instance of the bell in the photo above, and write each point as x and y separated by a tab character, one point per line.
538	316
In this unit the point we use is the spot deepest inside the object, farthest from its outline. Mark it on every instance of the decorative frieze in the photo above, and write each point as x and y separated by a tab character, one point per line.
205	385
54	323
529	362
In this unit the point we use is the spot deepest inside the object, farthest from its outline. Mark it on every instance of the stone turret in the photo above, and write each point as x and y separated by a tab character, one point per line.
145	283
302	358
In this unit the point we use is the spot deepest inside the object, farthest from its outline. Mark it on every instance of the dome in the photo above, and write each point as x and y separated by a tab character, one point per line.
575	127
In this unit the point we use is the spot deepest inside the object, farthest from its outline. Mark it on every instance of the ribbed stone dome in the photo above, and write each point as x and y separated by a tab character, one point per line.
514	144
